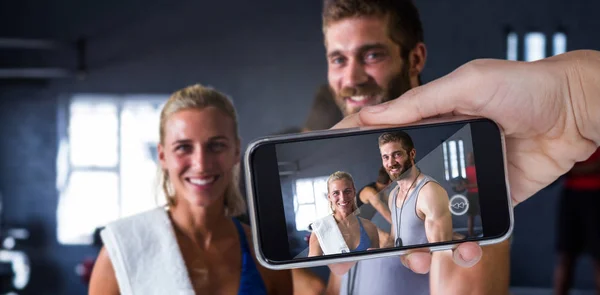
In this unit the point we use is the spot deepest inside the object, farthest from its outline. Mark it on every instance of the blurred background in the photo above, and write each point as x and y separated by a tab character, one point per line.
82	83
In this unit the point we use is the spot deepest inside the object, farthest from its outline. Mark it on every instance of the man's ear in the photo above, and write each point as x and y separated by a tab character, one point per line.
417	58
413	154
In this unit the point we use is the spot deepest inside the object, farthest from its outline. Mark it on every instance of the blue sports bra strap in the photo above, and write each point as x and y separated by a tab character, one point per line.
241	233
250	281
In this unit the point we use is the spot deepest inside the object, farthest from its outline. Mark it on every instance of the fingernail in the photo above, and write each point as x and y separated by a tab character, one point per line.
376	108
405	262
460	258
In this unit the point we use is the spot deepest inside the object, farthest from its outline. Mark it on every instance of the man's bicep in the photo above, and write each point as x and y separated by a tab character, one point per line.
434	203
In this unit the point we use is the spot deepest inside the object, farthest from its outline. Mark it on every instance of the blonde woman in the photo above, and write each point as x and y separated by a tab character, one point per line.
195	245
343	230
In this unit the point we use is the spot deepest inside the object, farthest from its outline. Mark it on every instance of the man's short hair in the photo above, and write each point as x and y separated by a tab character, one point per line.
397	136
404	23
383	176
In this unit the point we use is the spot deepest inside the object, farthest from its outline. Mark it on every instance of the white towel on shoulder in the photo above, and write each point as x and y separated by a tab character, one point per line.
329	236
145	255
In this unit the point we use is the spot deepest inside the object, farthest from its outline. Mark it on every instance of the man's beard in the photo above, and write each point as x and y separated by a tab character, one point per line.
397	86
404	173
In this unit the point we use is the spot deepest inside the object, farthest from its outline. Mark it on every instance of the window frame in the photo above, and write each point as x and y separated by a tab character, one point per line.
66	168
516	45
297	204
449	162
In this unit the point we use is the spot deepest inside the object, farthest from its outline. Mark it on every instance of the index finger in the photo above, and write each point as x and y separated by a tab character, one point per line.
465	91
350	121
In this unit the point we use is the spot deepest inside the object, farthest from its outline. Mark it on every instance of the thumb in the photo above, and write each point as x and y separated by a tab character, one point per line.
467	254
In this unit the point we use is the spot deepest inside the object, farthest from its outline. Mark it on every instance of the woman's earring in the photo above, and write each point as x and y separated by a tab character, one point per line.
170	190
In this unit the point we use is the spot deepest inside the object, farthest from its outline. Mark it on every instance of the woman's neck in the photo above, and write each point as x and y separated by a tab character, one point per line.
339	217
201	224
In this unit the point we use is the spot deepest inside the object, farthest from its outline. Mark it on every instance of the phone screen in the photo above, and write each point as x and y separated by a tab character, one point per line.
397	188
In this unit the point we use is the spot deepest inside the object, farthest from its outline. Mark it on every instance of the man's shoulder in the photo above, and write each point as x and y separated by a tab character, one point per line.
431	188
430	183
428	178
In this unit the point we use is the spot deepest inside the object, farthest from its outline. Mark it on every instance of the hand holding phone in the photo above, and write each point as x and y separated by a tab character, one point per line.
447	184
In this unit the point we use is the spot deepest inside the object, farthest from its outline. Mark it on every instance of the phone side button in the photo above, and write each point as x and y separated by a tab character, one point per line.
441	248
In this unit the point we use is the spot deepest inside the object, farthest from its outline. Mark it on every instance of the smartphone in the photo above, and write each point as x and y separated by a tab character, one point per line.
344	195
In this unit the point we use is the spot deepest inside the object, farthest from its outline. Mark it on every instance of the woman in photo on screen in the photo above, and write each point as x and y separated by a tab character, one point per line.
342	230
194	245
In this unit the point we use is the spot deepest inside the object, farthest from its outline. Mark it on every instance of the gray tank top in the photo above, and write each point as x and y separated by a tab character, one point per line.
409	225
383	276
388	275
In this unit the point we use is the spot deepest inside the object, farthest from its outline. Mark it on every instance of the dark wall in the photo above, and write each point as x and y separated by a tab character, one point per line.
28	185
269	59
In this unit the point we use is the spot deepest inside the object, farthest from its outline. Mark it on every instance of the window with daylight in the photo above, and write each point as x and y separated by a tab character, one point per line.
106	165
454	159
310	201
512	42
535	45
559	43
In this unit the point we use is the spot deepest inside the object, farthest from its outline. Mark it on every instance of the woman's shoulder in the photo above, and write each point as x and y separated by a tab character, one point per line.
151	214
103	279
143	224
